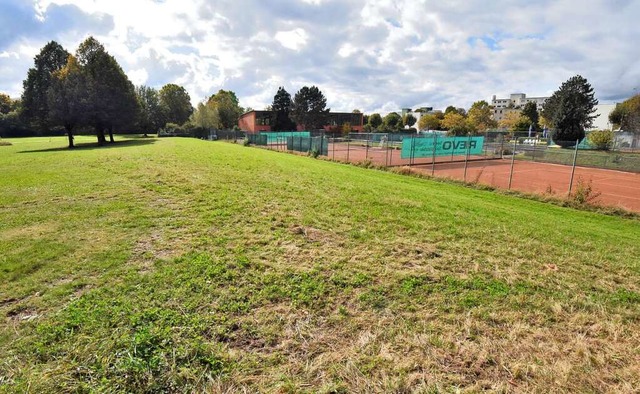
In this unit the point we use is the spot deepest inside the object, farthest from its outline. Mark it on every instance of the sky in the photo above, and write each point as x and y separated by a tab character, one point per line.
371	55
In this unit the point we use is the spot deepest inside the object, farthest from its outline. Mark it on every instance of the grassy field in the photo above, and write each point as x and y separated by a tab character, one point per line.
180	265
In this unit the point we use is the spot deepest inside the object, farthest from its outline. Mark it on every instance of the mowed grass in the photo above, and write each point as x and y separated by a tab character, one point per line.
179	265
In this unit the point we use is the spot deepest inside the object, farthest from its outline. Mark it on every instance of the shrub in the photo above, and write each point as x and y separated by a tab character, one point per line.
601	139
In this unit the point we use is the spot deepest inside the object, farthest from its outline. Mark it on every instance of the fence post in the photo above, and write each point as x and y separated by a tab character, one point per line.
366	149
573	167
501	146
513	157
433	154
535	142
390	153
413	147
348	140
466	158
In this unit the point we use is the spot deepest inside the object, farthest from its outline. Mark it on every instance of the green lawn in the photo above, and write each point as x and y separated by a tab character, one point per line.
183	265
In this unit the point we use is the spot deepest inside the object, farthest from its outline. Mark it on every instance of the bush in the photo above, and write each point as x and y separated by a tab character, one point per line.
601	139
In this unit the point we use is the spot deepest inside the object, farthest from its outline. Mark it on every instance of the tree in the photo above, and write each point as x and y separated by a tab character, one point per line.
392	122
281	108
480	116
228	107
69	97
309	108
6	104
409	120
375	120
113	99
570	109
601	139
52	57
206	116
429	122
626	115
514	121
151	116
530	110
457	124
176	103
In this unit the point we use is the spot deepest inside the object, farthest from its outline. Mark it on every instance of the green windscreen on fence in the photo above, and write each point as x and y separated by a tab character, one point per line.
281	136
257	139
444	146
308	144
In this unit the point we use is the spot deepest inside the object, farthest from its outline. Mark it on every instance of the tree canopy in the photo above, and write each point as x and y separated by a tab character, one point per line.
176	102
69	97
309	108
281	108
429	122
114	103
228	107
35	109
152	114
570	109
626	115
375	121
530	111
392	121
480	116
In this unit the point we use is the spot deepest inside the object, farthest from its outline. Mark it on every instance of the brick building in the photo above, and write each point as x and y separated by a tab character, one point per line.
256	121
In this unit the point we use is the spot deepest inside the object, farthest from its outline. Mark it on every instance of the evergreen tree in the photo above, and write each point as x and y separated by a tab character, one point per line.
35	109
309	108
281	108
530	110
570	109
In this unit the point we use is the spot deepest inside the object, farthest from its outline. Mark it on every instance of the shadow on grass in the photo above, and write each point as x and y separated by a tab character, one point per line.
135	141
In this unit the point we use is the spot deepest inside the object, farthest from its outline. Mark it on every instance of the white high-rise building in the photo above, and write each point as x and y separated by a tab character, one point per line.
516	101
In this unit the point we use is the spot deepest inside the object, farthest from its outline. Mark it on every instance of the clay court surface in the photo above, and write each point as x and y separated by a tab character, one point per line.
615	188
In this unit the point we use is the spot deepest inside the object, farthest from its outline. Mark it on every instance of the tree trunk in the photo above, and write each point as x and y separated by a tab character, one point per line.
70	136
100	133
111	134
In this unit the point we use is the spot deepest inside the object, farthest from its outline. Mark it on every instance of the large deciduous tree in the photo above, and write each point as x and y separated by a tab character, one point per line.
570	110
429	122
392	122
309	108
375	121
113	99
69	97
6	104
626	115
35	109
151	116
281	108
409	120
457	124
480	117
176	102
228	106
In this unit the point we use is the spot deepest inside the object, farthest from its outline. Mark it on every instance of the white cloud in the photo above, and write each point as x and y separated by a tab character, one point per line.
293	39
368	54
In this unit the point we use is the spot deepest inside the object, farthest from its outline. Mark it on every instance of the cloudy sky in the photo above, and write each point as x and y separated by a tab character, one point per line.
374	55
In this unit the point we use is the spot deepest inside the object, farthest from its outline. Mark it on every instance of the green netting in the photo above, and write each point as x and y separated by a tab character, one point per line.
257	139
308	144
281	136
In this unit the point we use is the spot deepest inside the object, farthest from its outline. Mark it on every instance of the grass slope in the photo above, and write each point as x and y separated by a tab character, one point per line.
185	265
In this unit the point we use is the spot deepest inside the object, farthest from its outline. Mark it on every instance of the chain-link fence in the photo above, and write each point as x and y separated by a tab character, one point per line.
529	164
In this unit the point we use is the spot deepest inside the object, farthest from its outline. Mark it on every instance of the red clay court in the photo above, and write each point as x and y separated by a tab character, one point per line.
615	188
